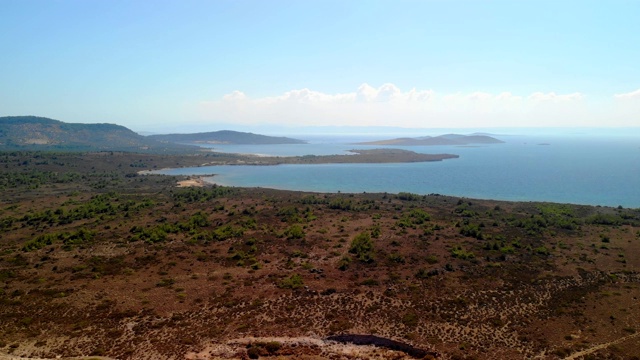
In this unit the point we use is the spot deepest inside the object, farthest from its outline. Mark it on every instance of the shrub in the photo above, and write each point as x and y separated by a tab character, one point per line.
375	231
362	247
460	253
413	218
167	282
227	232
396	258
39	242
542	250
272	346
370	282
432	259
407	196
253	352
68	239
293	282
422	274
294	232
344	262
471	231
191	195
410	319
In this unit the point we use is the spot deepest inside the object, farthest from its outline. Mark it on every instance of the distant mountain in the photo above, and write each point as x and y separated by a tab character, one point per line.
226	137
447	139
40	133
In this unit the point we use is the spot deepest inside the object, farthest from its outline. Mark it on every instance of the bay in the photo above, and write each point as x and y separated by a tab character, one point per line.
580	170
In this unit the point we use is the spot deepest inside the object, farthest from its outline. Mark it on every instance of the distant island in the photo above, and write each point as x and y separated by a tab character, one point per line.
448	139
227	137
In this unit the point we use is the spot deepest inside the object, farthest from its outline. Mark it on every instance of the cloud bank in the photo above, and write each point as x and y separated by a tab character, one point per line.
388	105
634	95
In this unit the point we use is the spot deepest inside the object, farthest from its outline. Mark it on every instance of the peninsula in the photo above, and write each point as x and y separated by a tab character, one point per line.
369	156
226	137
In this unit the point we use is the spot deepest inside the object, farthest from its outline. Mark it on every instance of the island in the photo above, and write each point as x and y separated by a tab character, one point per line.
447	139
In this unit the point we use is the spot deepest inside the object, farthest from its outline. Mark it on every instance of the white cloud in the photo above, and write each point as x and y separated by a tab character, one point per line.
552	96
366	93
388	93
235	96
389	105
480	96
415	95
507	96
629	95
307	96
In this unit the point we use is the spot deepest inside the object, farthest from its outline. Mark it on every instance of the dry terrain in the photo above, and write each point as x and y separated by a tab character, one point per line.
98	261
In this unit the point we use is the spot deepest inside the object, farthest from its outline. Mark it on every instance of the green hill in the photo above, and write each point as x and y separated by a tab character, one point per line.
226	137
40	133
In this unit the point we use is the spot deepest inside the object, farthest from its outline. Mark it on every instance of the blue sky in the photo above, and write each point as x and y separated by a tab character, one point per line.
206	65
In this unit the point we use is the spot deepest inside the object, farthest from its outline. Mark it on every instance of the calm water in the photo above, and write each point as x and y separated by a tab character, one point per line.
580	169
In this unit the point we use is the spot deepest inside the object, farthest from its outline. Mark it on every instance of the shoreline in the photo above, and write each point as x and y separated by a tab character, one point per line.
254	178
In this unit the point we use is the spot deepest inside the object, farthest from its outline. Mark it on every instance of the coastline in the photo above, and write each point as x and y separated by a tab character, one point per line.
520	171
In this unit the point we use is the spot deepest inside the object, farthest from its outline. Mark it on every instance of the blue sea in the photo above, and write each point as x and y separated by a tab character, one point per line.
578	169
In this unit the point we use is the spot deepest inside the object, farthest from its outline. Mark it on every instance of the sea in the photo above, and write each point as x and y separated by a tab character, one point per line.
577	169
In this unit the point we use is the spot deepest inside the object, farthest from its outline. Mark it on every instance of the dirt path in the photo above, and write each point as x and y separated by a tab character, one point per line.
600	347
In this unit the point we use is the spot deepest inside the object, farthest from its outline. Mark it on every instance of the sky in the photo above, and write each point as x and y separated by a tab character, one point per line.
210	65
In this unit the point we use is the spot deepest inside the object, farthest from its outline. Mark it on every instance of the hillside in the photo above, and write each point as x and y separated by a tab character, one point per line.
448	139
40	133
226	137
96	260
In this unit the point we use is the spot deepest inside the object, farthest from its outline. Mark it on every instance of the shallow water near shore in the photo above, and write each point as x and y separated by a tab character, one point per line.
580	169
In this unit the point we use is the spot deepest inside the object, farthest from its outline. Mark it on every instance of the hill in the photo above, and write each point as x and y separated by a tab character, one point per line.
226	137
447	139
97	260
40	133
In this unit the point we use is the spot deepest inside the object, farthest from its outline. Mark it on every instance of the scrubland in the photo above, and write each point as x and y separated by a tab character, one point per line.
97	260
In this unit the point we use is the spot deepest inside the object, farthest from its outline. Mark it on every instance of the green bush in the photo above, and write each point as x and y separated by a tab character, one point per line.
190	195
294	232
460	253
370	282
344	262
396	258
227	232
472	230
542	250
362	247
407	196
69	239
292	282
410	319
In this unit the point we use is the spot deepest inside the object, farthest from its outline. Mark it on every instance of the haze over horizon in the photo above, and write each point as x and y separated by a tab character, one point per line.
204	66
